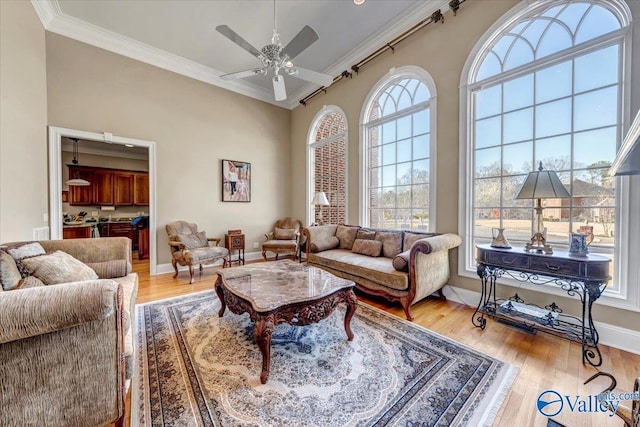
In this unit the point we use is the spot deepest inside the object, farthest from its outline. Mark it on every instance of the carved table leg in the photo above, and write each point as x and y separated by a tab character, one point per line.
352	304
264	330
220	293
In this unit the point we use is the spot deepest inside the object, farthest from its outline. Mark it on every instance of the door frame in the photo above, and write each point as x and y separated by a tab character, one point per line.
55	179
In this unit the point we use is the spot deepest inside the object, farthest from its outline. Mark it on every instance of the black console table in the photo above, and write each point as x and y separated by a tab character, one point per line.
585	277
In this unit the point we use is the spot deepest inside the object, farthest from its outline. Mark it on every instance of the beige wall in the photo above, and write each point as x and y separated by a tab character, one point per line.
23	122
442	50
194	125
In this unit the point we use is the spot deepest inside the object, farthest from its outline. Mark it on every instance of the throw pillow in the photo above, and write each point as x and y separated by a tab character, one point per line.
347	235
9	273
367	247
193	241
23	250
366	234
330	242
401	261
284	234
391	242
59	267
30	282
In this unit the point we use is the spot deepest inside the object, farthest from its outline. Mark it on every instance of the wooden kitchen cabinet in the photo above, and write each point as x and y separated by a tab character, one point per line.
82	232
141	189
124	230
81	195
122	188
102	187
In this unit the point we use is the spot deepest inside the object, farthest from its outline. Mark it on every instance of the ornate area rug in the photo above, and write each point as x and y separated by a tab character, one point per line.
196	369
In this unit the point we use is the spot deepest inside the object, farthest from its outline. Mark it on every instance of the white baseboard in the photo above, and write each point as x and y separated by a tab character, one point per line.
168	268
611	335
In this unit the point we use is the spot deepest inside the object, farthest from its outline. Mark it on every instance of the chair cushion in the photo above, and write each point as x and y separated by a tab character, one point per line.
367	247
193	241
209	253
284	233
280	243
58	267
9	273
346	234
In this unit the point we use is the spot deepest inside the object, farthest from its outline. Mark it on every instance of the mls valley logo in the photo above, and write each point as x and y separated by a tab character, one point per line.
550	403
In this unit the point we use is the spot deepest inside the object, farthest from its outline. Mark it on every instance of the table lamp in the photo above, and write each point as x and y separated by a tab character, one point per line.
541	184
320	199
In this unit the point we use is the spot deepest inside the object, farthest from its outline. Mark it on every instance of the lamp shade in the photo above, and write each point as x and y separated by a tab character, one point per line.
542	184
320	199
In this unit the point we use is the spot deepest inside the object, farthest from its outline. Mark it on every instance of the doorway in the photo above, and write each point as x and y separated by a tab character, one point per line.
55	179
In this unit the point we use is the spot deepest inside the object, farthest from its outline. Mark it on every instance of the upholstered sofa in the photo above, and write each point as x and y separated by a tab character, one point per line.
399	265
66	348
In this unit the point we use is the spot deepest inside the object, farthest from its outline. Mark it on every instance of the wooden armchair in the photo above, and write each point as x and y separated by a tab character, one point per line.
189	247
284	238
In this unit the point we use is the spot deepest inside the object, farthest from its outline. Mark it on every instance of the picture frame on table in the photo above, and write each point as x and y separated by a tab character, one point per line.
236	181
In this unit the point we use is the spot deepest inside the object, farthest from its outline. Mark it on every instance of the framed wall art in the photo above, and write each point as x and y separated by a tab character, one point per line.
236	181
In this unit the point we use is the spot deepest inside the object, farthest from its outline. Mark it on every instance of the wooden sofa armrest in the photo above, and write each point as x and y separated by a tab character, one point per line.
177	244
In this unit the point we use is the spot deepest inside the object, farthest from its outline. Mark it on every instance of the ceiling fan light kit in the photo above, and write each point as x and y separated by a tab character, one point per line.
277	59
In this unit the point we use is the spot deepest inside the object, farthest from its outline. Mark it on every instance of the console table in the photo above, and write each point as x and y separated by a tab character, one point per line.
584	277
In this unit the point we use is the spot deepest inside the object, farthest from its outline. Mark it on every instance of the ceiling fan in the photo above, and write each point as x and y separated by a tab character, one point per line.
276	58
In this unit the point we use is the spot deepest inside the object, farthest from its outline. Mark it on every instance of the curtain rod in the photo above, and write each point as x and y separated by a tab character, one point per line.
436	16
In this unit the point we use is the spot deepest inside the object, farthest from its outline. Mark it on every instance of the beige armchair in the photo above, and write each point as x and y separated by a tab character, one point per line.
284	238
190	247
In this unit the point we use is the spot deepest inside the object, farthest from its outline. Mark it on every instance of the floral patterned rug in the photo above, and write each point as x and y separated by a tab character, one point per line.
196	369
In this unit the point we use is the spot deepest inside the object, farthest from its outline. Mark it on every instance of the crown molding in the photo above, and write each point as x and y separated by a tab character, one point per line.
55	21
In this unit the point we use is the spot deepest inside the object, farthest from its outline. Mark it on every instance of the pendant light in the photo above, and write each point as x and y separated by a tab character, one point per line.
76	181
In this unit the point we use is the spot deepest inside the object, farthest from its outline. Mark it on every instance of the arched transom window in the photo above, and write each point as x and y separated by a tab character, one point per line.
328	160
398	136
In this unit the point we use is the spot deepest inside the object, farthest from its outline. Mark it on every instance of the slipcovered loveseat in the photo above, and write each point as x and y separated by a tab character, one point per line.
399	265
66	331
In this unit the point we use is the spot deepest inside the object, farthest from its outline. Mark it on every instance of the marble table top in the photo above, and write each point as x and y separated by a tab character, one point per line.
270	285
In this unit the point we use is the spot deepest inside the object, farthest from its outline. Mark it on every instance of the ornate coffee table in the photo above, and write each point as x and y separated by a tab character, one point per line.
283	292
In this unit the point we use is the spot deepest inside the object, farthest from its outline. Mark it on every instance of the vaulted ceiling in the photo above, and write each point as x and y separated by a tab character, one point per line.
180	35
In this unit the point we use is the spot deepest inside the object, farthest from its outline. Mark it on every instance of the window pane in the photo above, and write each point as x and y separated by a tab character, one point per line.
404	127
490	67
535	30
510	187
405	100
517	158
596	109
422	94
597	69
421	171
488	102
554	153
421	121
521	53
375	156
388	175
502	46
389	132
404	150
553	118
404	196
598	21
375	177
388	197
572	15
374	136
388	154
597	147
421	147
404	173
421	196
487	193
553	82
554	40
518	93
487	132
487	162
518	126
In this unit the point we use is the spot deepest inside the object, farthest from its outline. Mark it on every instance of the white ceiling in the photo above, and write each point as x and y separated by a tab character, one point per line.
180	35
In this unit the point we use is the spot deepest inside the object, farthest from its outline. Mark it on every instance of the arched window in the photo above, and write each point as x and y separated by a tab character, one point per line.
547	86
328	165
398	152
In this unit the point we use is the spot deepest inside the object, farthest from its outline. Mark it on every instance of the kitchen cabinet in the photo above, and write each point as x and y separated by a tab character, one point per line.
102	187
81	195
143	243
76	232
141	189
124	229
109	187
122	188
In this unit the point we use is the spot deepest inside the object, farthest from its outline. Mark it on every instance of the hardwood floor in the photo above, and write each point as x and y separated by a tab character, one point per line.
546	362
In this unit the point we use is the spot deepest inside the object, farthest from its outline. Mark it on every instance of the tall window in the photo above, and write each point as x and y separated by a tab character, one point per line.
399	163
547	88
328	161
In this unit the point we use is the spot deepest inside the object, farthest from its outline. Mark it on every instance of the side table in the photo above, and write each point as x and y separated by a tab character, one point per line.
235	242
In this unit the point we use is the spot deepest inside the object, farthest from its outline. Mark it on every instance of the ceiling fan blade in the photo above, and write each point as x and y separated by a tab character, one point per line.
279	89
235	37
312	76
305	38
243	74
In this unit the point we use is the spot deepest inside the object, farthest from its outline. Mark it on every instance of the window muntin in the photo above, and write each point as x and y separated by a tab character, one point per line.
328	155
398	149
561	107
